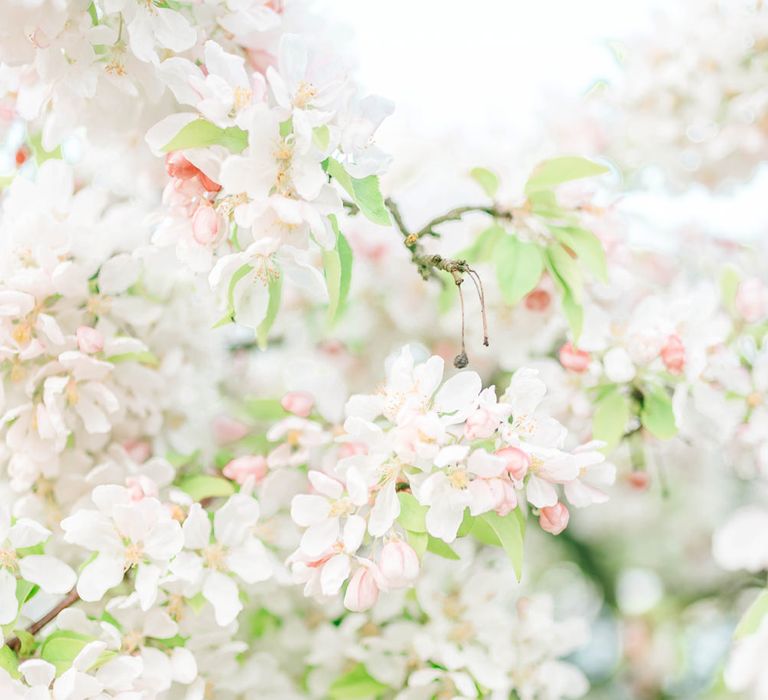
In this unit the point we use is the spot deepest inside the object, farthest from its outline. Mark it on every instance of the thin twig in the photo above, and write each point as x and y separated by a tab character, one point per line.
71	598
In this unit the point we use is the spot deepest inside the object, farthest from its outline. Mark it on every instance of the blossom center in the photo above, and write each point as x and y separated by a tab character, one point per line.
215	556
305	93
9	559
341	507
132	641
134	553
458	478
242	97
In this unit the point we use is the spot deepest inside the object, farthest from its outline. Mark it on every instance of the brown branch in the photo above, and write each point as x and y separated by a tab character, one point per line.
428	264
71	598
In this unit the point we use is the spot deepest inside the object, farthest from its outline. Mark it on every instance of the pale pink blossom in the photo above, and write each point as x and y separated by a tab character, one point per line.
554	519
89	340
362	591
574	359
240	469
399	564
298	402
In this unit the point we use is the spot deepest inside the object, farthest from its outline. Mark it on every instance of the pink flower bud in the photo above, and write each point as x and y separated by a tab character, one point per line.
399	564
208	184
574	359
480	424
138	450
241	468
639	480
350	449
517	461
506	500
89	340
226	429
298	402
538	300
673	354
362	591
141	487
554	519
751	300
205	224
177	166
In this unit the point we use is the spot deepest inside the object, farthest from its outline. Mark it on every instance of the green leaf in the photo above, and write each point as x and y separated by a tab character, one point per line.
321	137
587	247
554	172
365	193
263	621
145	358
567	277
657	415
518	267
9	662
200	133
39	153
412	514
487	180
565	271
467	523
544	203
753	617
574	314
61	647
356	684
610	418
27	642
267	410
483	246
509	529
275	289
729	285
437	546
418	541
202	486
337	267
25	590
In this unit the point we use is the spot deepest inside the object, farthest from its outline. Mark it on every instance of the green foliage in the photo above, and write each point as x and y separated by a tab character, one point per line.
610	418
510	531
61	647
657	415
587	247
9	662
321	137
365	193
486	179
202	486
753	617
442	549
551	173
145	358
518	267
729	285
568	280
337	266
25	590
200	133
275	289
484	245
412	514
418	541
39	153
265	410
356	684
